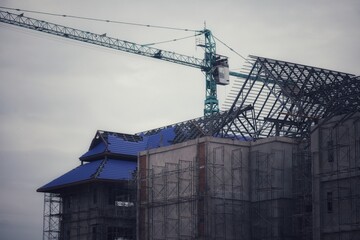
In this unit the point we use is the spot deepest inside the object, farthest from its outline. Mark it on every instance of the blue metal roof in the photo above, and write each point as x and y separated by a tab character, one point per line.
117	170
128	145
117	144
123	145
109	153
98	149
105	169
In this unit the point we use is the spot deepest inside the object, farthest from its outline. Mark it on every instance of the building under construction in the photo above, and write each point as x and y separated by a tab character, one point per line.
282	162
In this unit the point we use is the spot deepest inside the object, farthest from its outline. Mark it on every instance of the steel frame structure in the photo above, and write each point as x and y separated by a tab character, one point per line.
215	125
277	99
289	98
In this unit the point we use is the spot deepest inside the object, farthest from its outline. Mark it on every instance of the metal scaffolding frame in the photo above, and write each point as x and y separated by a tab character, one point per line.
339	179
171	200
188	200
228	215
270	208
301	192
81	213
52	216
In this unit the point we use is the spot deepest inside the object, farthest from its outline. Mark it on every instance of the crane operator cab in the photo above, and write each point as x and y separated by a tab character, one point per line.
221	71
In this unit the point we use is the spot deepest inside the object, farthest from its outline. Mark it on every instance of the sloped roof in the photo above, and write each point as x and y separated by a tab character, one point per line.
125	145
105	169
128	146
114	143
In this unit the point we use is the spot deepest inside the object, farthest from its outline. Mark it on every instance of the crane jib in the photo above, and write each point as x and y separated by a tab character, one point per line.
214	66
98	39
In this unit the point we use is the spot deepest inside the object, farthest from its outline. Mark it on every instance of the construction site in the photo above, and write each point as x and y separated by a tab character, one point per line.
280	161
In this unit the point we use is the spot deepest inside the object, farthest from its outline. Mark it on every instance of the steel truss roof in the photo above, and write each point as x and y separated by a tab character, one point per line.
204	126
288	98
277	98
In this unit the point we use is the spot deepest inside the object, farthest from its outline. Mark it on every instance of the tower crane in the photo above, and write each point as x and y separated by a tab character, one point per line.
214	66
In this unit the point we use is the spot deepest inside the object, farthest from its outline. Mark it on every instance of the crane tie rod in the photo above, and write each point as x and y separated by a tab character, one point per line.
173	40
231	49
102	20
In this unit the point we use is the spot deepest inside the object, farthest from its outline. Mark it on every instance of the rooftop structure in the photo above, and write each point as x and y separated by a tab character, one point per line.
288	98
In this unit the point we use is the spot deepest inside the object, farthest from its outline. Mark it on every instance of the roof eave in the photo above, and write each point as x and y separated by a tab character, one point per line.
108	155
60	188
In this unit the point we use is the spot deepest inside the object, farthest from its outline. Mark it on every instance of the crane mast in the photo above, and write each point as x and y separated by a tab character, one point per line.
211	101
215	67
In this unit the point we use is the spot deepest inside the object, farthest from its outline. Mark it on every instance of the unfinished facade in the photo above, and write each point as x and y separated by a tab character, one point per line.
335	147
96	210
213	188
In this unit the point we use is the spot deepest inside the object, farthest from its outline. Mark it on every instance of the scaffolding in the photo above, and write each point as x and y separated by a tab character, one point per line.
338	178
226	193
228	215
271	205
302	192
170	201
188	200
52	216
96	211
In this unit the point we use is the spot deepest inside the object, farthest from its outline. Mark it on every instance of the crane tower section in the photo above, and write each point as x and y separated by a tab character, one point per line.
216	72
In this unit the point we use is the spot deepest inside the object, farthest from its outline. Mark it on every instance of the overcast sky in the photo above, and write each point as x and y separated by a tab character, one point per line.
55	93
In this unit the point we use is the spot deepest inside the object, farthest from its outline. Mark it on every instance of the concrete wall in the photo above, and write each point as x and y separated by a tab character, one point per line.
271	162
227	189
212	188
271	188
192	188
